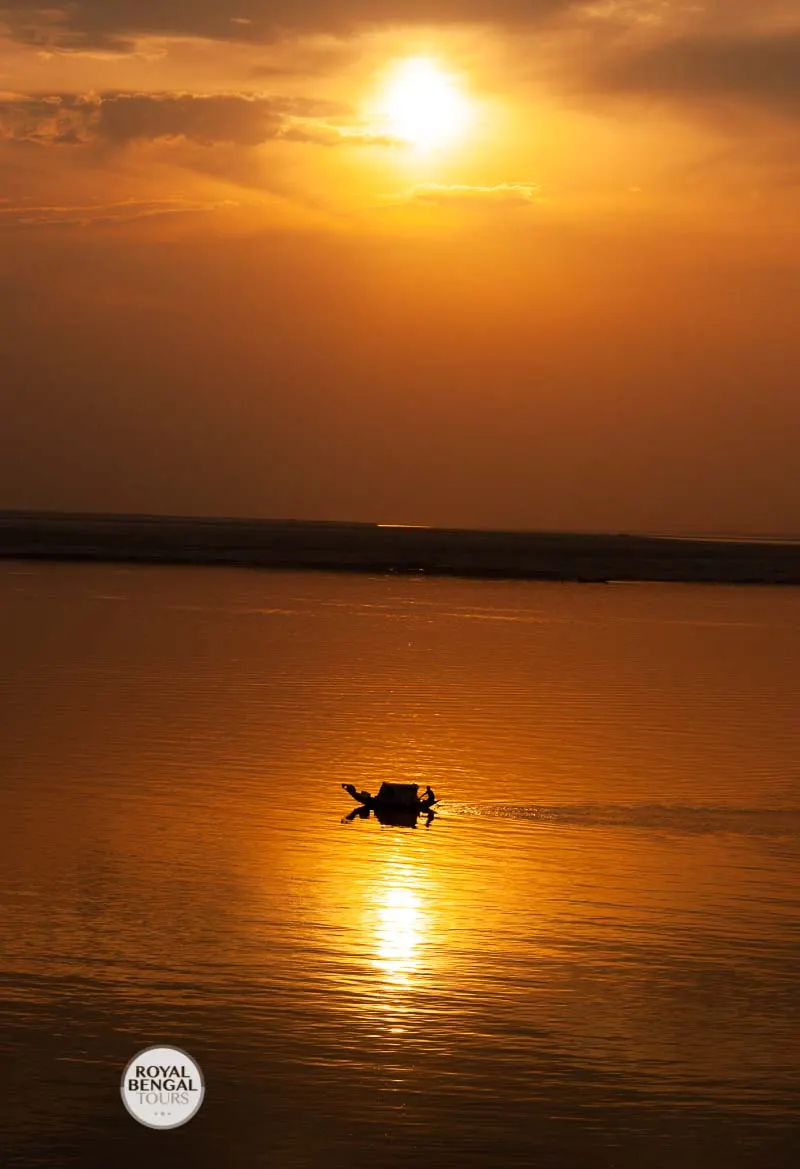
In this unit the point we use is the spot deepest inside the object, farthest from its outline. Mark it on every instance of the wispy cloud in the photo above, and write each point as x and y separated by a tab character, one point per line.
320	134
461	194
101	214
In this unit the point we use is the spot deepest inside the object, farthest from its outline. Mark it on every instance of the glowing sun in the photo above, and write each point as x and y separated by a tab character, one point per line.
423	105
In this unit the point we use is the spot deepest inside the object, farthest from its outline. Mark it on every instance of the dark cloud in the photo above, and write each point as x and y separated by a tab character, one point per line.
761	70
49	119
207	120
114	24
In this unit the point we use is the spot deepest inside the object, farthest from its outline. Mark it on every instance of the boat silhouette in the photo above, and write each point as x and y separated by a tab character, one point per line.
398	804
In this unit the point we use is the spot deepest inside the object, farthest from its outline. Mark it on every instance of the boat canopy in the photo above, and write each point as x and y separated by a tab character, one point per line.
402	795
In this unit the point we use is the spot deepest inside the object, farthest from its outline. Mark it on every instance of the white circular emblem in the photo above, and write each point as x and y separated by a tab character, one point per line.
162	1087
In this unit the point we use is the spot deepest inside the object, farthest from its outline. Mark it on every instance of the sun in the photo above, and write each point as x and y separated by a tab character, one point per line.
423	105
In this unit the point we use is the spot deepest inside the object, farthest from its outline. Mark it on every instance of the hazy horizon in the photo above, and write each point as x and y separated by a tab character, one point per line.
346	521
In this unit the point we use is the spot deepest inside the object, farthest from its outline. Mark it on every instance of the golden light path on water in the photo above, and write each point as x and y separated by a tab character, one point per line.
399	925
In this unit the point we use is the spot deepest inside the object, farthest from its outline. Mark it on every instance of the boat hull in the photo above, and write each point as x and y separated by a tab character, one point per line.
387	806
390	811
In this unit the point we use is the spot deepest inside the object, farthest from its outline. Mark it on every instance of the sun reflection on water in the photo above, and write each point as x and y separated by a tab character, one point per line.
399	926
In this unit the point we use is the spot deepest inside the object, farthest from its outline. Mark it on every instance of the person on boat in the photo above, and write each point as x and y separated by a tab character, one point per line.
428	796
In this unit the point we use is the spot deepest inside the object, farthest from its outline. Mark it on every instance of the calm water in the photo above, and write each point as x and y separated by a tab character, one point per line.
589	958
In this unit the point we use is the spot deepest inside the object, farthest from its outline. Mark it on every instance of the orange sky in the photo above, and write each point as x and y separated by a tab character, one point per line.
244	269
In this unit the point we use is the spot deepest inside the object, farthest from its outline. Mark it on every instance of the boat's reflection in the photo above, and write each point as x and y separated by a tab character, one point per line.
394	817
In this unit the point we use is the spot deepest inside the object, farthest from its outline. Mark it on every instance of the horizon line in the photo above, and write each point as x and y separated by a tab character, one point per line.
698	535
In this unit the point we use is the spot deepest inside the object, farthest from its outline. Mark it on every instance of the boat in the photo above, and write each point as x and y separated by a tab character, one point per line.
394	798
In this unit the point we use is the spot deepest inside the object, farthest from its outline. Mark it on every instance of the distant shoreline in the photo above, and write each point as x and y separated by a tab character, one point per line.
373	548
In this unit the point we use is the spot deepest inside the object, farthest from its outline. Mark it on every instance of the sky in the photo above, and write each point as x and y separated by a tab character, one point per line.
530	264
